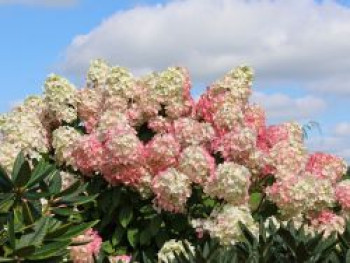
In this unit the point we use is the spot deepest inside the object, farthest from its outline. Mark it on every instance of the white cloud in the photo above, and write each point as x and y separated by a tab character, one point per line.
343	129
49	3
289	41
280	107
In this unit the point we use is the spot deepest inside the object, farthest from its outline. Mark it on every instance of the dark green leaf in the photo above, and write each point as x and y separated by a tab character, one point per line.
133	236
49	250
11	230
125	215
5	182
20	160
72	189
71	231
40	172
7	202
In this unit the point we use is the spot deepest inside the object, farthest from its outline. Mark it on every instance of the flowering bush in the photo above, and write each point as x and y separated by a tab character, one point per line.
170	171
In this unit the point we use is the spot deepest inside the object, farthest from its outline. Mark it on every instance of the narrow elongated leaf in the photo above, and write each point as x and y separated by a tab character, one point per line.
49	250
27	213
76	200
5	182
72	231
55	183
37	237
40	172
7	202
17	166
11	230
70	190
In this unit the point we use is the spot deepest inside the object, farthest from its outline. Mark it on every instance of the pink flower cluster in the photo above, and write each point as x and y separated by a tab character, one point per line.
85	253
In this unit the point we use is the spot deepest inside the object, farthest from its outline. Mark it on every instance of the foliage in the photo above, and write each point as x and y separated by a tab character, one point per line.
37	219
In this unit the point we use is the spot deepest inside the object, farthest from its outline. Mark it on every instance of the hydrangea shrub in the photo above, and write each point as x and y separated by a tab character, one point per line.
170	170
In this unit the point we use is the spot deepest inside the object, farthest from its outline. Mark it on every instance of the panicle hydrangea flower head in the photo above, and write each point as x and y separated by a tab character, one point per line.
289	131
162	152
235	145
173	247
119	83
237	82
224	224
342	194
326	222
123	174
85	253
88	154
300	194
90	103
25	130
111	118
197	164
231	183
288	157
63	139
61	98
191	132
8	154
122	146
254	117
172	189
97	73
328	166
227	116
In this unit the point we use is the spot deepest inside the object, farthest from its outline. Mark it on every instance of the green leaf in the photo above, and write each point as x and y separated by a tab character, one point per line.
155	225
55	183
133	236
145	237
117	235
40	172
254	201
49	250
11	230
72	189
23	176
36	238
71	231
20	160
5	182
27	213
63	211
7	202
125	216
76	200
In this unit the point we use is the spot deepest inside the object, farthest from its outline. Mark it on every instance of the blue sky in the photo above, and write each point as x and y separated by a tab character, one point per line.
299	49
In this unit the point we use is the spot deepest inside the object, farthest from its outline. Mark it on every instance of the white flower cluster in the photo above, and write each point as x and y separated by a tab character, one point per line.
231	183
61	99
172	189
224	224
197	164
63	140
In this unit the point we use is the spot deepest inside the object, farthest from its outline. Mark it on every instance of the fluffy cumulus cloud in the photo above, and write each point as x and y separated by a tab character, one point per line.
343	129
294	41
49	3
280	107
